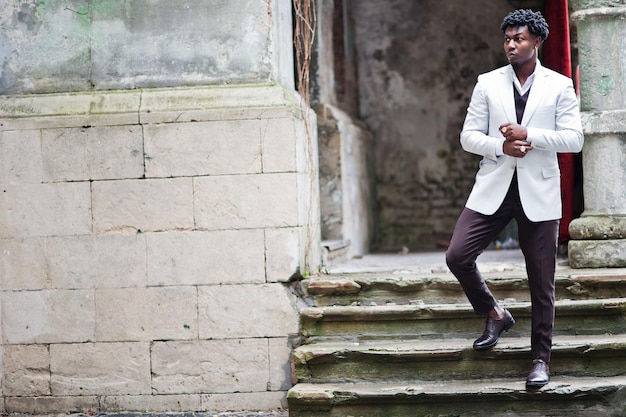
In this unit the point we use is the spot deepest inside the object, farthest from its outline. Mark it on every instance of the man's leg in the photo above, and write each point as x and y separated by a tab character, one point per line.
539	243
472	234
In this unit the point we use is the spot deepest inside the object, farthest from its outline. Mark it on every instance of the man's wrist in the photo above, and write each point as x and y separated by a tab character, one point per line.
500	148
528	137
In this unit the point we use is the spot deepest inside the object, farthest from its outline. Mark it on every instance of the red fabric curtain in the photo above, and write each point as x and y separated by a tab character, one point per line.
557	56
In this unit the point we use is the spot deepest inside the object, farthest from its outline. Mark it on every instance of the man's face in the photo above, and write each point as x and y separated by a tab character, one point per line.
519	45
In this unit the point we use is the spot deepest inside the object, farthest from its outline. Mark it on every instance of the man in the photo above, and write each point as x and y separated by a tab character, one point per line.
519	117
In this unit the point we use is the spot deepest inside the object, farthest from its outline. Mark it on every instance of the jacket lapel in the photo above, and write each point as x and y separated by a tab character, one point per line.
505	90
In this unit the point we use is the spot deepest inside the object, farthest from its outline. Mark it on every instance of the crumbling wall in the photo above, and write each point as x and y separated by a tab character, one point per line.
417	64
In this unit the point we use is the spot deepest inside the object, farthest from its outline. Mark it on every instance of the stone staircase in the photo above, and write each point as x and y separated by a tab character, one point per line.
397	342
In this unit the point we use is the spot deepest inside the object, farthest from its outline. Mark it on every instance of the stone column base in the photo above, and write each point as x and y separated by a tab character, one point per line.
598	242
597	253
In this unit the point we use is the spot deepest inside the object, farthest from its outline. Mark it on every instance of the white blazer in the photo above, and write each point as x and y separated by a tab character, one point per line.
552	119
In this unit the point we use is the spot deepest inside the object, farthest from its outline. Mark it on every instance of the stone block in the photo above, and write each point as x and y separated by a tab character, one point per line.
146	205
152	403
80	154
61	209
100	369
280	364
75	262
49	316
129	314
87	405
203	148
26	371
269	400
246	201
269	311
604	167
609	253
1	361
210	366
279	145
104	261
20	157
197	258
283	252
307	151
23	264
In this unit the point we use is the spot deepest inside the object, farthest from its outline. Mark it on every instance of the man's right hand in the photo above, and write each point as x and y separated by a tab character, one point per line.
516	148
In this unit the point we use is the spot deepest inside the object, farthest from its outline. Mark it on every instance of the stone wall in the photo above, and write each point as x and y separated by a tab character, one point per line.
148	235
143	261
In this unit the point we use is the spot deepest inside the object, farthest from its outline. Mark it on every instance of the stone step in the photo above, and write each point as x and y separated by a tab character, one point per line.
334	251
446	359
431	321
406	287
564	396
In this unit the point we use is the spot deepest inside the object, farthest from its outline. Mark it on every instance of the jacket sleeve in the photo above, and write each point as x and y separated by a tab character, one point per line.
568	133
474	136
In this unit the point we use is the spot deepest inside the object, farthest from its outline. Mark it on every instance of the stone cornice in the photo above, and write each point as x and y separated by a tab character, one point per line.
125	107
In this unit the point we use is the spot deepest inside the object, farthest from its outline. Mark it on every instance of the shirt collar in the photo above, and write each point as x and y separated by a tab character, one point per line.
529	81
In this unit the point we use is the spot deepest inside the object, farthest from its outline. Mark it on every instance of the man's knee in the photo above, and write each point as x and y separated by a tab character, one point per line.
460	260
454	259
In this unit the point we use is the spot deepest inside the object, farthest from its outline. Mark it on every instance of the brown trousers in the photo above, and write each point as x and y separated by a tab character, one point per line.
538	242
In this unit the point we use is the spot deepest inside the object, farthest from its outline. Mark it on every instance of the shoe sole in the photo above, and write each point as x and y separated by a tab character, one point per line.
536	385
505	329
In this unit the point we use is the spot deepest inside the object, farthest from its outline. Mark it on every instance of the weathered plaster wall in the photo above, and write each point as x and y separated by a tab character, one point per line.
76	45
417	64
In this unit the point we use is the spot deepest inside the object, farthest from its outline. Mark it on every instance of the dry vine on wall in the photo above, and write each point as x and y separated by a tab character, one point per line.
303	39
305	22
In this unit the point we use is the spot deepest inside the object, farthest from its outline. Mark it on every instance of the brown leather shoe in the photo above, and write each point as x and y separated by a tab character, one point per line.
539	375
493	330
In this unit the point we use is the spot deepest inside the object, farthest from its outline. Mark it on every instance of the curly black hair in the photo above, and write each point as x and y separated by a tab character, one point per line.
535	22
